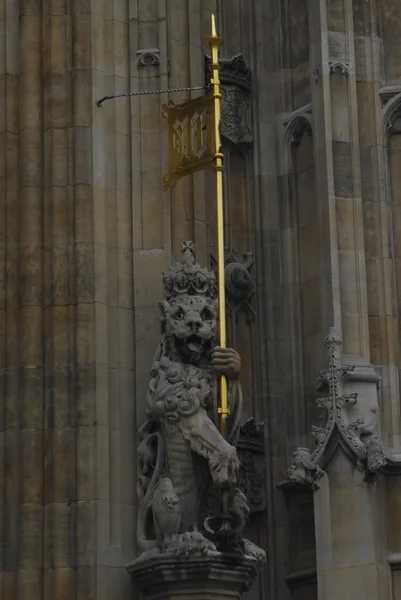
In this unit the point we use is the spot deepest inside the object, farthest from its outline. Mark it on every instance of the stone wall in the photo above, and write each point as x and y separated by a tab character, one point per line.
85	233
335	87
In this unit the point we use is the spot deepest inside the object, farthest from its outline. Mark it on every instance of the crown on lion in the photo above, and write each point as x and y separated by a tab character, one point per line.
188	277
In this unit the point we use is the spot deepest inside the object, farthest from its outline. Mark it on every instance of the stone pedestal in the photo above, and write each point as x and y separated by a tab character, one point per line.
220	577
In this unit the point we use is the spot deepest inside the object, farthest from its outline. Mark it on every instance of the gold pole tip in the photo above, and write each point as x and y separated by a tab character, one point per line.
213	26
213	40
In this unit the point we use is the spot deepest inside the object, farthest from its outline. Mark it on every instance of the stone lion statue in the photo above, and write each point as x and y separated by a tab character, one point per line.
181	450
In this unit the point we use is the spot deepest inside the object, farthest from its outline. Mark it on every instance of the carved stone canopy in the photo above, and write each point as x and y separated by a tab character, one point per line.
233	71
357	437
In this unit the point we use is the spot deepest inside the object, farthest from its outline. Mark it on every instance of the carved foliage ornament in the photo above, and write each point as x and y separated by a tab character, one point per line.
356	437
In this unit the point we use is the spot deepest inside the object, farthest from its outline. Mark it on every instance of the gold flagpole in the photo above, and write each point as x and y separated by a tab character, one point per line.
214	43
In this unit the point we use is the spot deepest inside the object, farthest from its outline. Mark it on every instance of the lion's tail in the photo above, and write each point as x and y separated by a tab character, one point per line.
145	504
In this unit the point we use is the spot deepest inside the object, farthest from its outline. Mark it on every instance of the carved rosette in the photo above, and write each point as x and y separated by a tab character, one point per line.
357	438
236	109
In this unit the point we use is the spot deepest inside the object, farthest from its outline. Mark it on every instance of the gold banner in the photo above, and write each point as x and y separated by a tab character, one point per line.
191	144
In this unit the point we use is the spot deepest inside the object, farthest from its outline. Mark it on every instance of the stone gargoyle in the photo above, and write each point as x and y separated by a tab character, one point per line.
181	450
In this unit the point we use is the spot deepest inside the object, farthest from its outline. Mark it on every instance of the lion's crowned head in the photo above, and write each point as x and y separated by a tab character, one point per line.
189	315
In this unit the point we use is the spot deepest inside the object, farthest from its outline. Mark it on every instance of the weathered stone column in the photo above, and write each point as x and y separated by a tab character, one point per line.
25	389
351	532
348	510
336	145
67	371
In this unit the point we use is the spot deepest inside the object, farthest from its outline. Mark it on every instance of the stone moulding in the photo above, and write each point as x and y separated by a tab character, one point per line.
388	92
217	577
148	57
357	438
392	117
339	68
297	124
304	112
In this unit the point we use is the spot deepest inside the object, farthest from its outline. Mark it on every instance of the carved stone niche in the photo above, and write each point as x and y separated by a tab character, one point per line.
236	108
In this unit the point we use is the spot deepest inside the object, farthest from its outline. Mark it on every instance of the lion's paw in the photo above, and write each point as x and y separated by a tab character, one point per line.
190	543
253	551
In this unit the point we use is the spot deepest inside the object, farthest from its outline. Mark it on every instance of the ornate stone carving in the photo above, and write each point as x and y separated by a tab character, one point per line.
240	285
181	450
394	121
236	84
339	68
316	74
301	128
298	124
233	71
250	446
389	93
148	57
356	437
304	469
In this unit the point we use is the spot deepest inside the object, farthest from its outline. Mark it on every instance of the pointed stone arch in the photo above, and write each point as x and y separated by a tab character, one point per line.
391	121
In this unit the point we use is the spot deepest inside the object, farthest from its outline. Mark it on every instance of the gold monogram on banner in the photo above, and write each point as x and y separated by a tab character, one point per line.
190	138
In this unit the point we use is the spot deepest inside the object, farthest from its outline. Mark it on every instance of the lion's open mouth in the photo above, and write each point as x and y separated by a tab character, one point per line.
193	343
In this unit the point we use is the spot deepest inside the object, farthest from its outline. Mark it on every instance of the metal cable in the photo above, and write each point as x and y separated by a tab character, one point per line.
184	89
